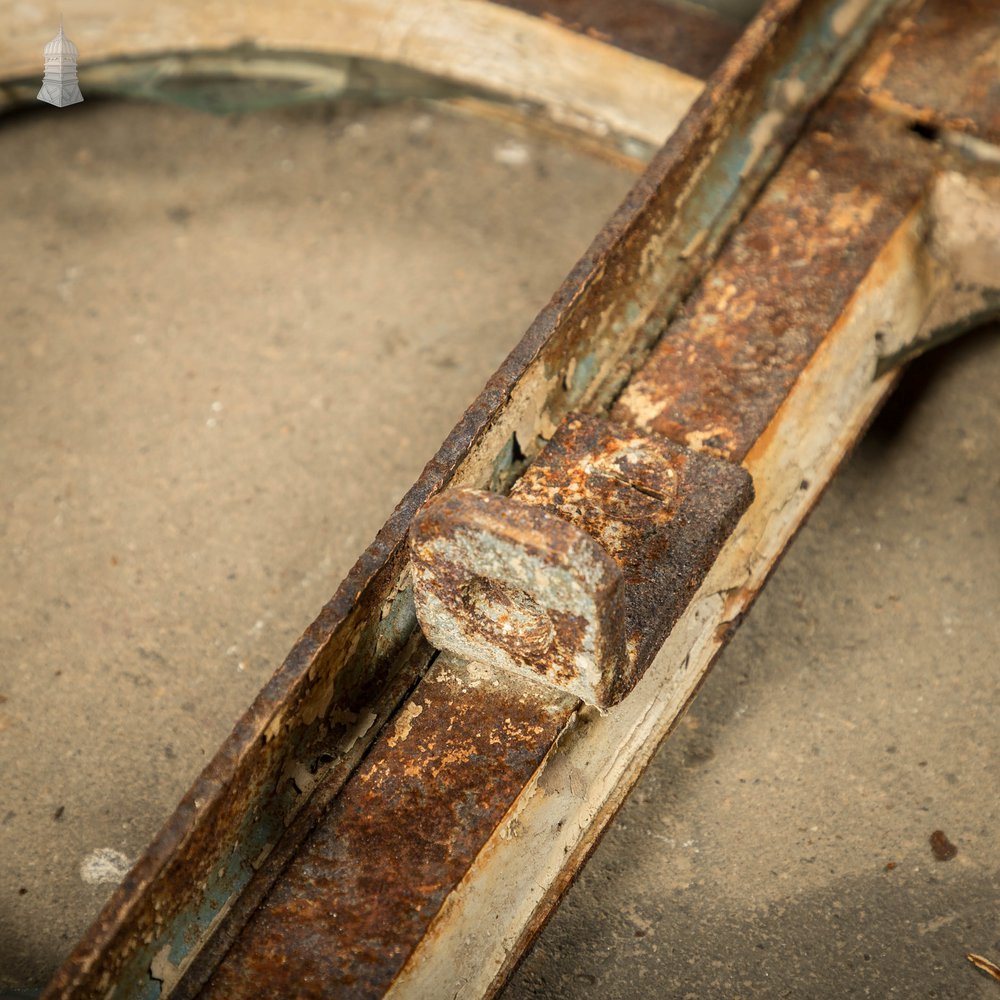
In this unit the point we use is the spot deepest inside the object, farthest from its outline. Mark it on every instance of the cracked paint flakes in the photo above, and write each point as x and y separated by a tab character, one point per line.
404	722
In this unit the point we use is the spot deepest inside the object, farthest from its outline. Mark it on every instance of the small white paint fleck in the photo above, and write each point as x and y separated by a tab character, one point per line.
512	154
356	732
211	422
104	865
216	407
421	124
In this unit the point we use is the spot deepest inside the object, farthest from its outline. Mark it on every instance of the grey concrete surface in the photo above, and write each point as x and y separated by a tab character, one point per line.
227	348
159	553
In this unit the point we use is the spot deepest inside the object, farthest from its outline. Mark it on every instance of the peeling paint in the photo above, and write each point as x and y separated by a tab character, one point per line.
403	724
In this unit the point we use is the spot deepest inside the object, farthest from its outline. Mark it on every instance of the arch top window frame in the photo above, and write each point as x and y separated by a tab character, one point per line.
605	342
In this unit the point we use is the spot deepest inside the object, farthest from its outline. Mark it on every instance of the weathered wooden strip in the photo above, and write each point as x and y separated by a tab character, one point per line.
578	80
323	705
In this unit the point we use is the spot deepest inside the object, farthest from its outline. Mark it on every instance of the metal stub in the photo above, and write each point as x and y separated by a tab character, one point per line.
578	577
516	587
662	511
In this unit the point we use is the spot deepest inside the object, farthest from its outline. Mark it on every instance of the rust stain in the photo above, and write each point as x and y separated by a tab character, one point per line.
941	847
718	376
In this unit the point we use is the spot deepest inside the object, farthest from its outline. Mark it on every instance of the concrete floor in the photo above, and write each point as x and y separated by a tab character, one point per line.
218	338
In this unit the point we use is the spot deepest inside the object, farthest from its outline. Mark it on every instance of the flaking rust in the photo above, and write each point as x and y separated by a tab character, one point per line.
718	376
579	576
364	887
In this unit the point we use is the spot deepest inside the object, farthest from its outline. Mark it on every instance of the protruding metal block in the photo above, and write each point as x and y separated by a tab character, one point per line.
579	576
511	585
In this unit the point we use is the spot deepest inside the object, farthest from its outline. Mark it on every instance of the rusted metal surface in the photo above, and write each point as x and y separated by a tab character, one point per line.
941	68
314	786
691	39
580	575
392	904
724	366
866	234
662	511
402	832
529	861
331	695
508	584
313	892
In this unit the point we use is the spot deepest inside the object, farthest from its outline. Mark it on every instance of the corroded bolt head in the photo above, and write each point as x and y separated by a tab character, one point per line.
504	583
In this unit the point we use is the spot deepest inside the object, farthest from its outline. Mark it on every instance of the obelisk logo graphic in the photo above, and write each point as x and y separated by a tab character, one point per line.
60	85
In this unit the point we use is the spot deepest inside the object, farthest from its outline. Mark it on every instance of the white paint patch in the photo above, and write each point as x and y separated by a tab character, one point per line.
847	17
162	969
360	728
761	137
104	864
512	154
403	723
